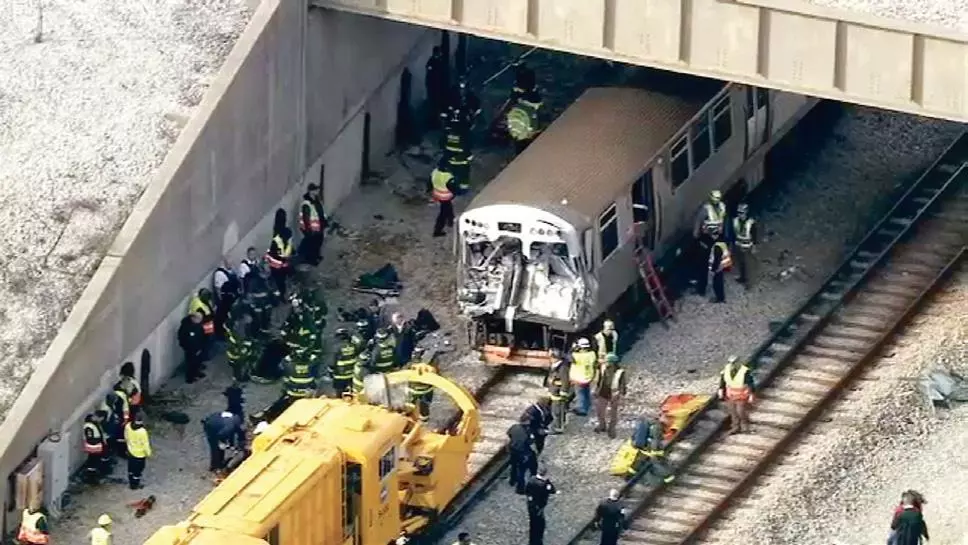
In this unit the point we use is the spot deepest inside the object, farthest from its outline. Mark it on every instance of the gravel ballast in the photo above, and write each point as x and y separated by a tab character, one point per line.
951	14
89	90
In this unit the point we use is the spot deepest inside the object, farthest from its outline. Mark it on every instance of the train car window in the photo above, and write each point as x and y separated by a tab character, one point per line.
722	122
388	462
680	170
701	140
642	198
608	228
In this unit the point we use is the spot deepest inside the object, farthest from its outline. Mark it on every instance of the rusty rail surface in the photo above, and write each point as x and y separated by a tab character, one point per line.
810	358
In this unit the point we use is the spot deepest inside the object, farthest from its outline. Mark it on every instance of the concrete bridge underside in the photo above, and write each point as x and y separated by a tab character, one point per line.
782	44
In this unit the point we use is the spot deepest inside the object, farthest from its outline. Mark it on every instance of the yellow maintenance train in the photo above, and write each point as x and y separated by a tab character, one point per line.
340	472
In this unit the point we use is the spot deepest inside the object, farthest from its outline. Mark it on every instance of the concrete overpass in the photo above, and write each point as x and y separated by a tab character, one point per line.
783	44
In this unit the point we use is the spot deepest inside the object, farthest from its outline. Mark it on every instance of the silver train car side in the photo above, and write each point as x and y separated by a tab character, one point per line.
543	250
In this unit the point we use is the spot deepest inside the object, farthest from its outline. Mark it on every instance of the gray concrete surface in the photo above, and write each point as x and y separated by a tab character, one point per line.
266	118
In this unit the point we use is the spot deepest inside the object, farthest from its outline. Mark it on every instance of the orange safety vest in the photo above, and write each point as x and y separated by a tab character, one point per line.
313	224
736	388
726	261
28	529
285	252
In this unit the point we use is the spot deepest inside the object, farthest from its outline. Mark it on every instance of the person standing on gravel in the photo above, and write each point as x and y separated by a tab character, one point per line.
539	489
521	451
736	388
610	518
558	391
610	387
743	237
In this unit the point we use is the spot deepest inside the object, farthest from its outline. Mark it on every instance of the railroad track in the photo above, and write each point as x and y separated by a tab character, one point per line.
810	359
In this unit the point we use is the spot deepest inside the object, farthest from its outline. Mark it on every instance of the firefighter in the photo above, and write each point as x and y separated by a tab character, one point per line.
744	237
361	337
360	370
312	222
202	303
522	118
129	385
606	340
736	388
260	302
610	518
343	363
384	352
538	490
720	261
459	163
102	534
240	354
98	463
34	529
463	105
443	188
300	381
421	395
558	391
539	420
581	373
300	339
708	229
525	82
610	388
139	450
279	258
435	83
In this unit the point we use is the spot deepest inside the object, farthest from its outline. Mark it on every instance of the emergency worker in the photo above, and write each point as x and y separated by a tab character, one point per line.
300	379
343	363
222	430
720	261
98	463
538	490
101	535
610	518
459	163
384	352
525	82
521	451
121	405
113	424
361	370
648	440
129	386
34	529
558	391
260	303
279	258
361	337
139	450
240	354
421	395
435	83
246	267
610	388
539	420
202	303
443	188
606	340
744	238
312	222
581	373
736	388
193	341
522	119
463	105
708	229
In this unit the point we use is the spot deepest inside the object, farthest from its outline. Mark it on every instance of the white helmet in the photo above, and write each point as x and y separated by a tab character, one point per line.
716	195
583	343
732	359
608	325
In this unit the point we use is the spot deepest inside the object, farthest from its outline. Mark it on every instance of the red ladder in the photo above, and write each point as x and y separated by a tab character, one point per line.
650	276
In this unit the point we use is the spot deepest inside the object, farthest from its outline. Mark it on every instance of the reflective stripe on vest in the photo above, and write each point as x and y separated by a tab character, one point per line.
359	373
285	252
439	179
100	536
130	388
125	406
29	532
343	368
313	224
744	233
98	446
725	261
300	373
583	367
714	217
617	381
606	342
736	388
384	357
521	119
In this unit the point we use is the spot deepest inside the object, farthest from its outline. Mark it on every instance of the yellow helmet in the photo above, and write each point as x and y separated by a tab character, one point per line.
104	520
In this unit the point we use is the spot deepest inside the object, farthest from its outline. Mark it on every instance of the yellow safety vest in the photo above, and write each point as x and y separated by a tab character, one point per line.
582	369
131	389
725	262
522	118
100	536
601	341
313	224
199	306
714	217
359	373
744	233
736	388
97	447
439	179
343	368
29	532
125	406
138	443
285	252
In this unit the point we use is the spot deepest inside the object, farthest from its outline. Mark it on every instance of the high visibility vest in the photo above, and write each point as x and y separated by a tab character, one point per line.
736	388
130	387
725	262
744	232
385	356
714	218
582	369
606	343
556	388
100	536
522	119
617	381
97	436
359	373
197	305
439	179
285	252
312	224
455	140
139	446
300	374
345	361
125	405
417	388
29	531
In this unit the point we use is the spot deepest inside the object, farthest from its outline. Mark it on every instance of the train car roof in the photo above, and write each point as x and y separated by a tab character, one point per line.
593	151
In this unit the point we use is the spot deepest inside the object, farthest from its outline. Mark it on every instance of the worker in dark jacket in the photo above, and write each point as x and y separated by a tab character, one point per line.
521	451
558	386
235	400
279	258
192	340
539	489
222	430
404	338
539	419
435	82
908	525
312	224
610	518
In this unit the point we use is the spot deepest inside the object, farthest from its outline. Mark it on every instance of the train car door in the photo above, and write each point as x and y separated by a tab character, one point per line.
757	118
643	210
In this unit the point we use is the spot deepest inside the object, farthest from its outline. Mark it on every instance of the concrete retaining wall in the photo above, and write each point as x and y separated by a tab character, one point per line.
292	94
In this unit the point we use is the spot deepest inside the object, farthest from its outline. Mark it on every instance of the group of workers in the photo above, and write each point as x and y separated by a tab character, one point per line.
721	243
459	109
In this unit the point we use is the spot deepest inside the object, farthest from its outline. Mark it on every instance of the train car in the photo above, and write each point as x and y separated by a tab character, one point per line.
340	472
543	249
